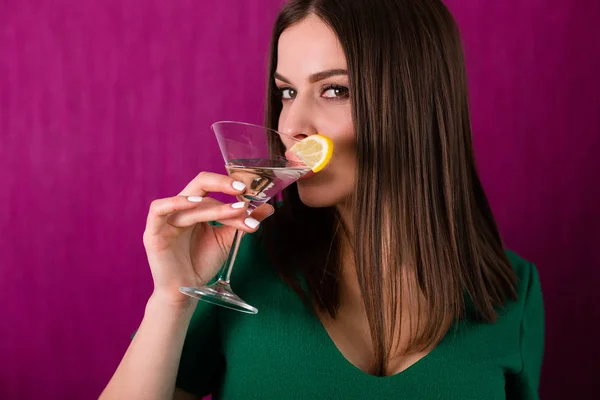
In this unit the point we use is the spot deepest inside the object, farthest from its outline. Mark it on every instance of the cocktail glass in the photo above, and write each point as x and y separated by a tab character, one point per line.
248	159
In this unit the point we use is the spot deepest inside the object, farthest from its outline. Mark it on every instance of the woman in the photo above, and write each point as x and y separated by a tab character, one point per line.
384	275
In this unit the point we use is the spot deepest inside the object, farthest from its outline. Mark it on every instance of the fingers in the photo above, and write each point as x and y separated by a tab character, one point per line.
207	182
251	223
192	206
164	207
183	212
208	210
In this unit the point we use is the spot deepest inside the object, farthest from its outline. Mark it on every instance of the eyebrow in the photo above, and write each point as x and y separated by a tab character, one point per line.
316	77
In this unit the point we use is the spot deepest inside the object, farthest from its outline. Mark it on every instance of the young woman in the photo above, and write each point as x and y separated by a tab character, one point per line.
384	275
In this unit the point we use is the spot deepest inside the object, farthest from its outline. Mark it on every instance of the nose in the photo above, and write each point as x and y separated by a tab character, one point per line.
296	120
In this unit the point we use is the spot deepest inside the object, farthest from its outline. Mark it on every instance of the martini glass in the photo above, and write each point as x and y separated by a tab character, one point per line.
249	158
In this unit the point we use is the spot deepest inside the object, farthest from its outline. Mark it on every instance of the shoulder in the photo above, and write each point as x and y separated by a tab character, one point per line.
526	272
528	289
529	308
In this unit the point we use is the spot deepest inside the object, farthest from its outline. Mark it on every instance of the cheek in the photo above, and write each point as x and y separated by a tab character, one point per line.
282	116
343	162
338	178
345	147
340	129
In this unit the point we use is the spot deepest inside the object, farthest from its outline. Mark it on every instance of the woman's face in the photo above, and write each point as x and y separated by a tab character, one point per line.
313	82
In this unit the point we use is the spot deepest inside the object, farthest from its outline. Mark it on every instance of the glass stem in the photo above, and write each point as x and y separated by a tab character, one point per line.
225	273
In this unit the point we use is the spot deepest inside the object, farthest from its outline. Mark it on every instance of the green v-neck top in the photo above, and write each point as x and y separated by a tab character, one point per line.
284	352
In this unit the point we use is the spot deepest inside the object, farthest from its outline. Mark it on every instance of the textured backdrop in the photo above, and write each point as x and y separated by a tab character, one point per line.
106	105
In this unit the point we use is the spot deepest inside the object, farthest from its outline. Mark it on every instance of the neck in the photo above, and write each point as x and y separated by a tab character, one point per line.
350	294
345	210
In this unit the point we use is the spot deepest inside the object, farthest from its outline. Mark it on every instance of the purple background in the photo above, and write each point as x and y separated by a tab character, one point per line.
106	105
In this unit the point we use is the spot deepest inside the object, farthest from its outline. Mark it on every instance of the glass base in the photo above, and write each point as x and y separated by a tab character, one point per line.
220	294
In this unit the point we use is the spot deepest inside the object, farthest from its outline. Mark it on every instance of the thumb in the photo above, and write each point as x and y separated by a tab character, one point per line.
263	212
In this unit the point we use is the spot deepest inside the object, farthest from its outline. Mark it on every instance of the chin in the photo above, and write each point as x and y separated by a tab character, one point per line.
314	201
317	194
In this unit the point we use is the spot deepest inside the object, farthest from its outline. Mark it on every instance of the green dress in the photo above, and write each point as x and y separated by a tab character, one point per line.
283	352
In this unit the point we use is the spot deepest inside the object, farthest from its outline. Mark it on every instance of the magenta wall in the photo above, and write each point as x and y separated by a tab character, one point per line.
105	105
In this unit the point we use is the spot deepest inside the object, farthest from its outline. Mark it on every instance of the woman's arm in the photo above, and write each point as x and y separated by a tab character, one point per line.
149	368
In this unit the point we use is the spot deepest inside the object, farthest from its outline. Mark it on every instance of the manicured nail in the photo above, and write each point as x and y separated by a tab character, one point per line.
240	204
251	223
195	199
237	185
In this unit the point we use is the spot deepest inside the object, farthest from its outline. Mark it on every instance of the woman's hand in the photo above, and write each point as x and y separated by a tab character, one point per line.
183	249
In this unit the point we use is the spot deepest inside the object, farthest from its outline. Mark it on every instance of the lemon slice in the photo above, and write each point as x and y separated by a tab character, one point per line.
314	150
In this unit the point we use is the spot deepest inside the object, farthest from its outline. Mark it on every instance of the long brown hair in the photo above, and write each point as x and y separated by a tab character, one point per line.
422	222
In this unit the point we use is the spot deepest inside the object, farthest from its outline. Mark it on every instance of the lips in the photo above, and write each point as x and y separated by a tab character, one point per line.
292	157
308	175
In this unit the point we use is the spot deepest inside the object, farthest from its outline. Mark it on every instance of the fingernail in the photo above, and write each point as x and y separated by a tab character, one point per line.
251	223
195	199
237	185
240	204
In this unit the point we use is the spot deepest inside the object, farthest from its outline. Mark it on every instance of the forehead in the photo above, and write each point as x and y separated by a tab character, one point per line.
307	47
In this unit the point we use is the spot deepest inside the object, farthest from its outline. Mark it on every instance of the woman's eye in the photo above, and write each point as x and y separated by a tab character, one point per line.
287	93
335	92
